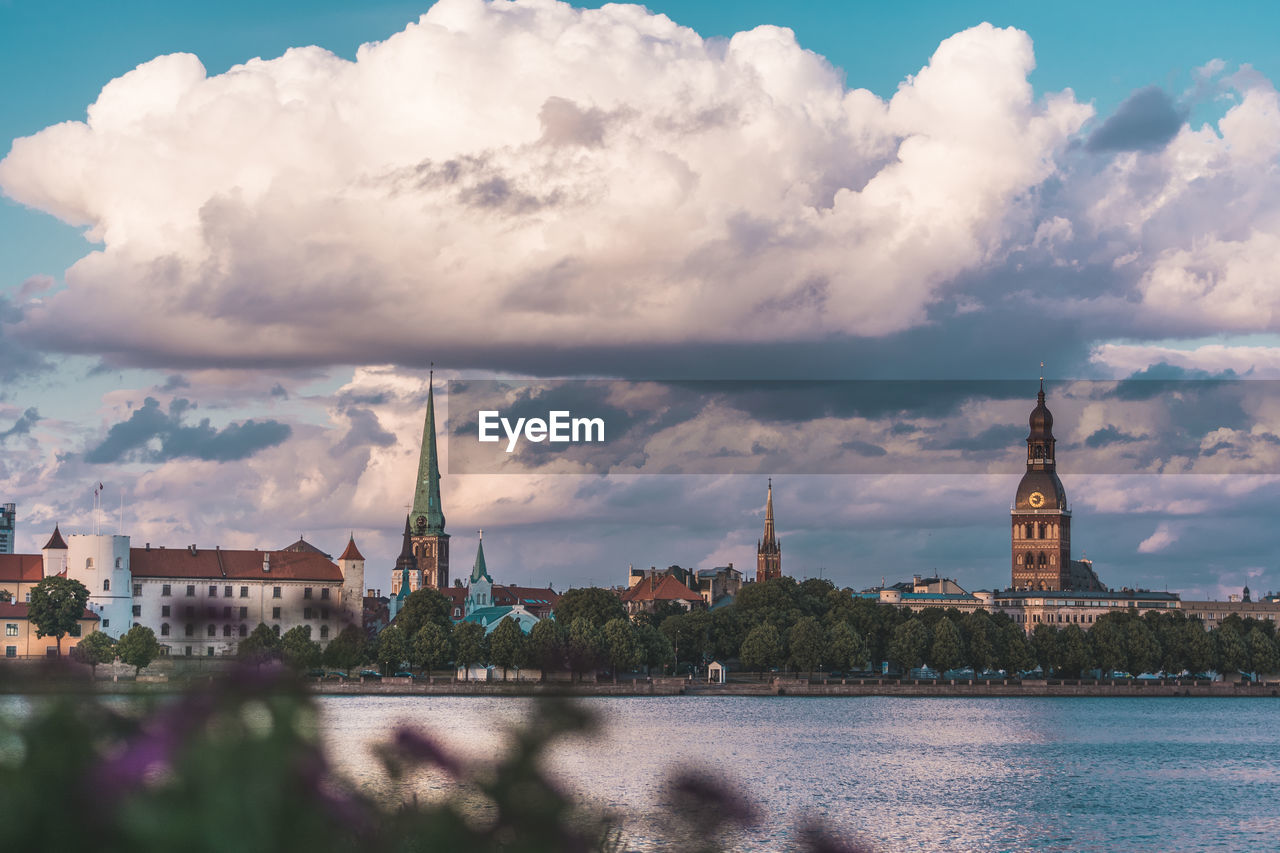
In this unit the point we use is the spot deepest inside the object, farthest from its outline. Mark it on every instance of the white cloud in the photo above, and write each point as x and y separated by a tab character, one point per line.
529	174
1164	536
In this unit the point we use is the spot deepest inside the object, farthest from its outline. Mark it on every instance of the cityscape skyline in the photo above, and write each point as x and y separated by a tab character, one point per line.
1113	219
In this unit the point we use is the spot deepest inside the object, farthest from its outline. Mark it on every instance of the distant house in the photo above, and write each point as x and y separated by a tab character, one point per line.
645	595
20	640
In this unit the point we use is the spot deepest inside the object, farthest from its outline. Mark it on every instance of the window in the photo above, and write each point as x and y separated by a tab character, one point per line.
306	592
106	585
191	590
11	651
324	594
275	613
275	592
457	612
213	590
119	564
188	651
209	651
226	630
226	592
244	592
137	610
212	630
164	629
164	610
137	590
190	631
11	630
88	562
166	590
244	613
324	632
244	630
306	613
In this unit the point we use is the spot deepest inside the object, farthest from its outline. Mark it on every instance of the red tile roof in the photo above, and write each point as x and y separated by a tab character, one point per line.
352	552
666	589
214	564
21	568
12	610
504	594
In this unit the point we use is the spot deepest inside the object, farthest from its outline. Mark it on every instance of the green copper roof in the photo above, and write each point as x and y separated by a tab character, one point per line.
404	585
479	569
427	513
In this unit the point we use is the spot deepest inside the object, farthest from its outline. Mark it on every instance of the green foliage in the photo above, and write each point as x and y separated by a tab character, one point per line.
469	644
585	646
1073	652
844	647
138	648
344	651
94	649
910	640
298	650
423	606
688	632
978	630
1263	659
506	645
595	605
432	647
547	646
1044	647
762	649
652	647
262	645
56	607
1109	643
621	648
1233	655
393	648
807	641
947	650
5	596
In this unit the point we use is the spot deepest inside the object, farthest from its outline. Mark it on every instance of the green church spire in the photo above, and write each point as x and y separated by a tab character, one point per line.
479	570
427	514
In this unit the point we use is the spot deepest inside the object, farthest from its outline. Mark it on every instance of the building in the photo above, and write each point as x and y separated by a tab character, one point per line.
1041	517
719	586
768	549
20	640
657	588
426	541
8	527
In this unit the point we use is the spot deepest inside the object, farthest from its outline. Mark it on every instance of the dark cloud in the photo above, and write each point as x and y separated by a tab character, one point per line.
1110	435
153	435
17	360
1000	437
277	391
1146	121
365	431
174	382
22	425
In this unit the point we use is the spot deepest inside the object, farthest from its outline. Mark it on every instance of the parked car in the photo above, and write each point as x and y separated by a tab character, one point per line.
370	673
403	674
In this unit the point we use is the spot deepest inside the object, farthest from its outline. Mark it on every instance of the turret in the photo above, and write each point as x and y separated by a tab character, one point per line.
55	554
351	563
480	588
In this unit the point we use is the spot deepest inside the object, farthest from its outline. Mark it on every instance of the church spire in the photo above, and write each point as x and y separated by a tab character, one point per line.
427	513
770	536
479	570
768	551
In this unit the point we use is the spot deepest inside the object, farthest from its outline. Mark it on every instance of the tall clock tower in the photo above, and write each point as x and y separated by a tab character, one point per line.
425	534
1040	518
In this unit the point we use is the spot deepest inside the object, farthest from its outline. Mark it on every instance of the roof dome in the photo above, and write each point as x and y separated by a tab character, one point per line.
1046	484
1041	419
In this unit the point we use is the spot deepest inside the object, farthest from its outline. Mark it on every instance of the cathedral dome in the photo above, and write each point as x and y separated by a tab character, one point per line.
1041	419
1040	489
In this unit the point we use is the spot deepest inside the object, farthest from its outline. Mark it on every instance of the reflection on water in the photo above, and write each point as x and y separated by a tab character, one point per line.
906	774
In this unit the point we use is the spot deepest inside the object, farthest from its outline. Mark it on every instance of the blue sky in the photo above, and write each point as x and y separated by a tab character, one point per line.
1102	231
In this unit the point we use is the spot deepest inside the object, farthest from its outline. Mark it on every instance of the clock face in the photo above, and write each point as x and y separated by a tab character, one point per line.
1036	500
422	521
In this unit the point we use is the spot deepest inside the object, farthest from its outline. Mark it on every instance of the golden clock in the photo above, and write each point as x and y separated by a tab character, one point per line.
1036	500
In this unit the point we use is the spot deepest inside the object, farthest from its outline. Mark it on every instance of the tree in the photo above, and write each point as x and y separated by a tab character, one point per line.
1263	659
808	642
688	634
978	630
585	646
138	648
432	647
844	647
506	645
5	596
653	647
345	650
1044	646
468	645
620	646
1073	651
947	650
298	650
1144	654
762	649
596	605
262	645
1233	656
1200	650
57	606
392	648
422	606
910	639
1107	637
546	646
95	649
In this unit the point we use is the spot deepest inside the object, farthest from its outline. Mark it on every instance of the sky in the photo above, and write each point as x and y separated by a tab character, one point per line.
235	238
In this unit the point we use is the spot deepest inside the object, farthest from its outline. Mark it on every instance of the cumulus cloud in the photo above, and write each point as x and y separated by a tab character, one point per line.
639	185
1145	121
1163	536
152	435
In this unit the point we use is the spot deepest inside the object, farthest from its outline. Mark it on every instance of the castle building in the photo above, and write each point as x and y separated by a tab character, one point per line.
1041	517
768	550
426	540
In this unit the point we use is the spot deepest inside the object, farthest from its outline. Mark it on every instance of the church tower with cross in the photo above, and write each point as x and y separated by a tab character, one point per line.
426	546
768	550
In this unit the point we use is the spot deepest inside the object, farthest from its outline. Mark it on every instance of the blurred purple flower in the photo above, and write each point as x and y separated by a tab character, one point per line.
414	745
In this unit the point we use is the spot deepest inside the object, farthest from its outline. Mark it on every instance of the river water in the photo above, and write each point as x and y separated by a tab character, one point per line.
986	774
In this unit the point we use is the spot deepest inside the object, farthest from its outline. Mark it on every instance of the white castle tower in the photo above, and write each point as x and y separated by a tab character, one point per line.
101	563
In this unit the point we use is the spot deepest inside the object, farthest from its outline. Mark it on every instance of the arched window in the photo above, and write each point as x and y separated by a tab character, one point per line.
118	562
1042	560
1029	533
324	632
164	630
106	585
